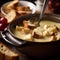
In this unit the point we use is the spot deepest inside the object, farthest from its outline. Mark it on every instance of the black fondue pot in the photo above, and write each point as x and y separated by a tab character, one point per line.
36	49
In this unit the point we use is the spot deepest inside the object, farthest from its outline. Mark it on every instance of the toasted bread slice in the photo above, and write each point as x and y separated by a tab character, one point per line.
7	54
11	16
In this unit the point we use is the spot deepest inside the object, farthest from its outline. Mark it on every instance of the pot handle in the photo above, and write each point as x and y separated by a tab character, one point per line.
10	39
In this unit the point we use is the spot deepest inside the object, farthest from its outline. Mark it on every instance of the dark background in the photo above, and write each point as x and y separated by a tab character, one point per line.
3	1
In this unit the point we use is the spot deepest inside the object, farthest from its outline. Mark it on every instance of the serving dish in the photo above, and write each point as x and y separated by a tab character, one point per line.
36	49
23	3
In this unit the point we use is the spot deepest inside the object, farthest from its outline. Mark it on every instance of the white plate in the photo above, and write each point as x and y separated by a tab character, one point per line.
23	3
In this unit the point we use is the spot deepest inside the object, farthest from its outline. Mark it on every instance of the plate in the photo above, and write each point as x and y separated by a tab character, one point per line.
23	3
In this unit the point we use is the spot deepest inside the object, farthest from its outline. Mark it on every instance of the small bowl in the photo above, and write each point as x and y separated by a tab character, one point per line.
23	3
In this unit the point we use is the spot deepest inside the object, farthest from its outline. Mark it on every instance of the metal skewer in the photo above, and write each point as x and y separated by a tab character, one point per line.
42	11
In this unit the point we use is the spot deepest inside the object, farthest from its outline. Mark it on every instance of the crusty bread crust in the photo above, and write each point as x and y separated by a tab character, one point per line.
1	56
11	5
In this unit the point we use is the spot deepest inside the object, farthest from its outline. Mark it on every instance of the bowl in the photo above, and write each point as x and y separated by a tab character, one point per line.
23	3
36	49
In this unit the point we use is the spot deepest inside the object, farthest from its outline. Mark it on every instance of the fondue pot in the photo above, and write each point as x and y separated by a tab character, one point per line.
36	49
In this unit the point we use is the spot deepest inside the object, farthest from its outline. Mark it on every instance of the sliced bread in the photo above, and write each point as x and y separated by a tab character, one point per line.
7	54
11	16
